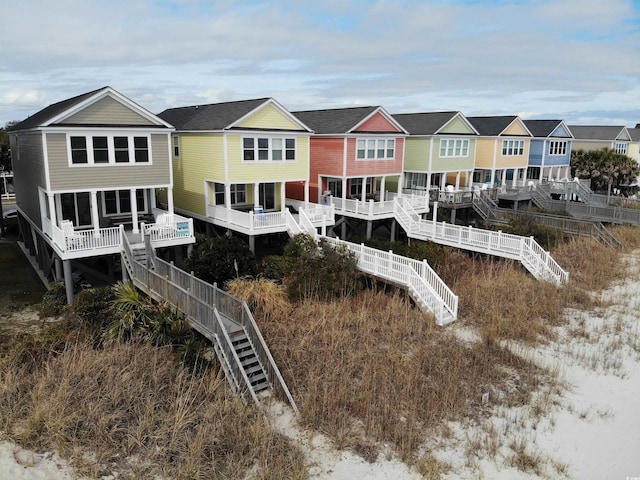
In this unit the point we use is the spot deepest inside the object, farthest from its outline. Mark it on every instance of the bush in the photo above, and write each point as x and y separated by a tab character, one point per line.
91	308
433	253
547	237
218	259
54	300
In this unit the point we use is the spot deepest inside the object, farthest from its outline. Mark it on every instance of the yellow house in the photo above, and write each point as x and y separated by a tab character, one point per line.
232	162
502	152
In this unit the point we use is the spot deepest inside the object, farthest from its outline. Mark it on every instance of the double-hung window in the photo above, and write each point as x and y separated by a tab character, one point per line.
118	202
454	147
109	149
265	149
621	148
371	148
558	147
512	148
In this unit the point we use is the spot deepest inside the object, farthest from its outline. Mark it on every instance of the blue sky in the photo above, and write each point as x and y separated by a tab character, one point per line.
577	60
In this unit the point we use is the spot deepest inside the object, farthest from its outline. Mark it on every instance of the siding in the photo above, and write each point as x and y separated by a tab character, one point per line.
515	128
586	145
416	154
368	168
201	156
29	173
484	152
377	123
241	171
106	177
513	161
107	111
456	126
269	118
535	151
449	164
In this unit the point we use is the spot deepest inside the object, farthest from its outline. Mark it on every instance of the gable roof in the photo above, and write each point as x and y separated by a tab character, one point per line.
214	116
428	123
598	132
545	128
52	114
493	126
341	120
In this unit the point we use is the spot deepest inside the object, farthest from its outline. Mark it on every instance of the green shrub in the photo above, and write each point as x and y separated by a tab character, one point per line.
318	270
54	300
547	237
91	308
218	259
433	253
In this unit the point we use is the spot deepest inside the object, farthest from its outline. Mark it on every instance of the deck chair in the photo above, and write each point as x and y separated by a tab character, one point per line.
73	239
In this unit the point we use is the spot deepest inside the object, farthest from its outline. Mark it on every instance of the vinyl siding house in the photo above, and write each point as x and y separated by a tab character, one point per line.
356	155
634	145
550	150
234	161
440	151
502	153
85	168
596	137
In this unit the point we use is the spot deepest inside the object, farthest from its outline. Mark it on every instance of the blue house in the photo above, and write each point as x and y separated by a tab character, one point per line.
550	151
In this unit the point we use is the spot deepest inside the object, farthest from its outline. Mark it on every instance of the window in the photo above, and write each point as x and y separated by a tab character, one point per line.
375	148
100	150
268	149
415	180
512	147
79	150
141	149
218	189
621	148
558	147
121	148
355	187
176	146
238	193
109	149
118	202
454	147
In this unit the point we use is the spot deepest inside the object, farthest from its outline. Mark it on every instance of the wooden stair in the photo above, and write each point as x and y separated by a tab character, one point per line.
249	361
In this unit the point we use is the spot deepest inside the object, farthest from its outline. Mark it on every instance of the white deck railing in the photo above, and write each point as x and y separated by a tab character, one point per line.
425	285
109	240
524	249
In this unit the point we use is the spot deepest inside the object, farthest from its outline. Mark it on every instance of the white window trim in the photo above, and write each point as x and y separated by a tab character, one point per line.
621	148
111	149
375	149
517	146
558	145
176	146
463	147
270	149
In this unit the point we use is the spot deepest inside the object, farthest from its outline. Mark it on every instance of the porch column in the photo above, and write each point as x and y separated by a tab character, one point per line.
256	195
283	196
458	180
382	186
524	177
152	199
95	218
469	178
306	192
52	210
227	196
503	180
344	188
364	189
428	181
134	210
400	184
514	179
170	200
443	181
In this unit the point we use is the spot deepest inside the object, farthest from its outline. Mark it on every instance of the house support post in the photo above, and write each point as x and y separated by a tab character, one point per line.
58	268
369	228
123	267
453	216
252	243
68	279
343	231
393	230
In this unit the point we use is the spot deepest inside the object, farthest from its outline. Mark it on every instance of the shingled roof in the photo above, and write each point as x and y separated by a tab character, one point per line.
53	110
491	126
427	123
335	120
596	132
214	116
634	133
542	128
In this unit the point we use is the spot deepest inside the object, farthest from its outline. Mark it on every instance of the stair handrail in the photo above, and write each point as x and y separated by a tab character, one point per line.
236	367
292	225
264	354
306	225
606	236
543	258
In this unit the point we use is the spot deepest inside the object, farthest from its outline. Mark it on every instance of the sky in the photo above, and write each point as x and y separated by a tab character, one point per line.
575	60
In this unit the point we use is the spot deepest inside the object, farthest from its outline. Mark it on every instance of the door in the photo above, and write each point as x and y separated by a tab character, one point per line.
268	196
335	186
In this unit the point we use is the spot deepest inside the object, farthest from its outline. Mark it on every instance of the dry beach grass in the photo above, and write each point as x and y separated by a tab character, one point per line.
371	372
